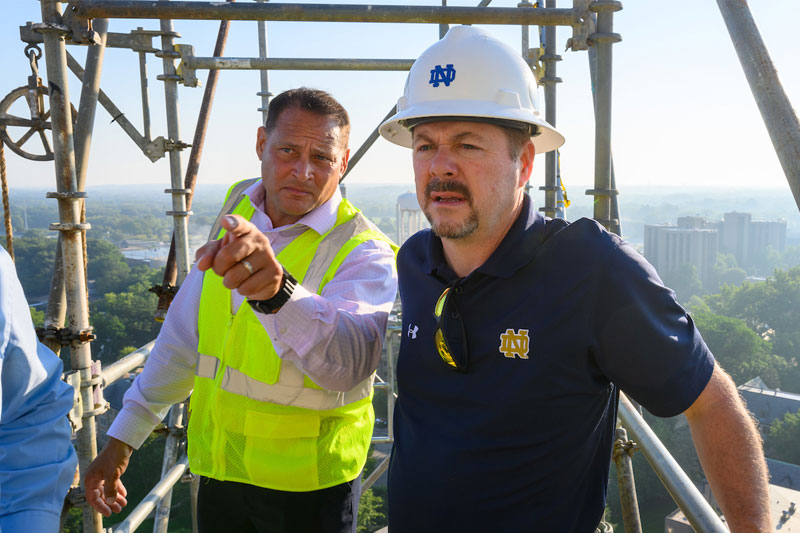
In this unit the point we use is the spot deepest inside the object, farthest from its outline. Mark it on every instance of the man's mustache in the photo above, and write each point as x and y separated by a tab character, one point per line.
437	185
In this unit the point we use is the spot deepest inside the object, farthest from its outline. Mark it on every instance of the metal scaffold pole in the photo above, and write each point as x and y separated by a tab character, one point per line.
70	229
263	53
779	116
603	39
550	81
180	232
615	225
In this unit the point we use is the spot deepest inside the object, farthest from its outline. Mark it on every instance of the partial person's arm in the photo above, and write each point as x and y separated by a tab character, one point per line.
729	448
167	378
336	337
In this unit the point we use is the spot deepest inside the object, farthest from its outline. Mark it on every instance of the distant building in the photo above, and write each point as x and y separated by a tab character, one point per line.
735	236
749	239
410	218
766	404
783	474
783	503
668	247
765	234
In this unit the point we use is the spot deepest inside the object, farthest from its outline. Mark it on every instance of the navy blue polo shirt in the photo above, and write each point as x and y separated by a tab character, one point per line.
558	319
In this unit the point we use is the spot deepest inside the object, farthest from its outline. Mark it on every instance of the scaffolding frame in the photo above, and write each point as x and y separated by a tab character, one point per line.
85	22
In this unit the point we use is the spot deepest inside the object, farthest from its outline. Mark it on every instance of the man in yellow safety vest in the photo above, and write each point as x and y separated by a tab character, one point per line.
276	333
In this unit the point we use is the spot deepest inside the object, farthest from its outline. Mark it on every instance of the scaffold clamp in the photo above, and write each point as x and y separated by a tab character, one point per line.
75	415
65	336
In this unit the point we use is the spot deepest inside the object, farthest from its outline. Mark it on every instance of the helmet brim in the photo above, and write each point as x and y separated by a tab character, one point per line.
394	130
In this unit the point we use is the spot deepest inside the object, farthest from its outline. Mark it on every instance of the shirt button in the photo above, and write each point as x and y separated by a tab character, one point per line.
283	331
459	290
454	314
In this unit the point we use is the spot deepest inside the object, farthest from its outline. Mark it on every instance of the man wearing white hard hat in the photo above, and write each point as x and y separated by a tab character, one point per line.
522	330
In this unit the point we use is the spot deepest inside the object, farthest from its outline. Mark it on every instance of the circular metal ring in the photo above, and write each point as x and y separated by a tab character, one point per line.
35	49
246	264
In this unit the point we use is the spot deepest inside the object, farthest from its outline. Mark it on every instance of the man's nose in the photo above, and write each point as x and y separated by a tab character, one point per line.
442	163
304	169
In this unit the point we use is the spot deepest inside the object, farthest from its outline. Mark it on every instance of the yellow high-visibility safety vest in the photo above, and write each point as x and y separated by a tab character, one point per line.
257	419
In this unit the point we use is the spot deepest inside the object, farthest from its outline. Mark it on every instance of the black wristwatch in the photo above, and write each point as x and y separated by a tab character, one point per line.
271	306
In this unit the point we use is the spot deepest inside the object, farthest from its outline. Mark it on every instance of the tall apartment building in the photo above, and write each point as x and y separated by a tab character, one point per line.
667	247
748	239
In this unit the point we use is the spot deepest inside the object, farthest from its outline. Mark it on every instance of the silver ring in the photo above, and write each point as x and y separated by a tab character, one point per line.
246	264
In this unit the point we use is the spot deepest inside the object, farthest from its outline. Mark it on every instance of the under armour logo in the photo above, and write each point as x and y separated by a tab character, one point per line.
515	344
412	332
442	75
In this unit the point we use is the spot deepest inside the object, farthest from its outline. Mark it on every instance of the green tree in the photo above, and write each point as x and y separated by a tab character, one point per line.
742	352
782	440
726	272
371	514
122	320
37	317
34	255
770	308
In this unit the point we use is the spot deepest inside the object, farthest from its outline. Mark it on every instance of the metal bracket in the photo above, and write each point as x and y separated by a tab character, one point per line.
158	147
98	410
77	497
80	29
535	60
627	447
142	40
75	414
67	195
51	27
188	74
582	26
158	290
178	431
57	226
66	336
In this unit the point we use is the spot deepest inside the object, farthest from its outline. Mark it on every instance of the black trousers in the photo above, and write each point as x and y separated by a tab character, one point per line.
230	506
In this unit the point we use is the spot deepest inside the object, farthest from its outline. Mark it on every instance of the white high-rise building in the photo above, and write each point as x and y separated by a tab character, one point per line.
668	247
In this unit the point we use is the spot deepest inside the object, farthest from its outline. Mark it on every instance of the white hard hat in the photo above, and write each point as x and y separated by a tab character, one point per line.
470	74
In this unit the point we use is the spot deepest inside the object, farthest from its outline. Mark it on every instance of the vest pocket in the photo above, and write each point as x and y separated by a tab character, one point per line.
281	450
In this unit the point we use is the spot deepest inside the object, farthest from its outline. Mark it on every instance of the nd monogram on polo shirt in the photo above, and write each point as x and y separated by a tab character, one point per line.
557	320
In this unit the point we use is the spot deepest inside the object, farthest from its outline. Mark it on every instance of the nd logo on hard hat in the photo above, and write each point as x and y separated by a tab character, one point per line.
442	75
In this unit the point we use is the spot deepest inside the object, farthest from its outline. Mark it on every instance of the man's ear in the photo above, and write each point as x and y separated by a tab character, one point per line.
526	157
261	141
345	161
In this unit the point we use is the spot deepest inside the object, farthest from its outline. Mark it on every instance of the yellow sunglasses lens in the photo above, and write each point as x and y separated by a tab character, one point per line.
441	347
437	310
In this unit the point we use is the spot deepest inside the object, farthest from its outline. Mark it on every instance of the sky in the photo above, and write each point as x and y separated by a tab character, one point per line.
683	113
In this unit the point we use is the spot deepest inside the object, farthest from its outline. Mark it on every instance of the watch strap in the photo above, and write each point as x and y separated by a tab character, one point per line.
272	305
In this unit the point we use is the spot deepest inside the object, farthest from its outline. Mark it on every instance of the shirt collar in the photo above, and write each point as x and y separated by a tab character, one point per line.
321	219
515	250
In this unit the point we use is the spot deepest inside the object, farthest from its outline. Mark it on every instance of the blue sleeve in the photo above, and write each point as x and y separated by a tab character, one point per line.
648	344
37	460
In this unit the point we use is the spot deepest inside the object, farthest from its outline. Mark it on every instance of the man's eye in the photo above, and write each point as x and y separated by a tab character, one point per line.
424	147
467	146
324	158
286	150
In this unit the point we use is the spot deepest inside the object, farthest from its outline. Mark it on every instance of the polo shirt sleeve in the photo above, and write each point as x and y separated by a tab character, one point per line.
646	343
